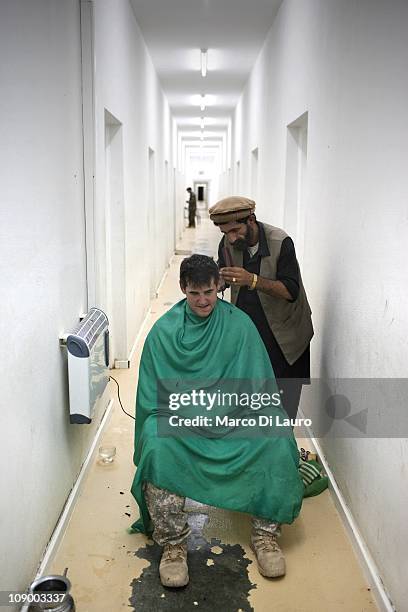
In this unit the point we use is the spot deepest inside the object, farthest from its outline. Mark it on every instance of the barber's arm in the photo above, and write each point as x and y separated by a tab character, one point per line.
275	288
286	285
241	277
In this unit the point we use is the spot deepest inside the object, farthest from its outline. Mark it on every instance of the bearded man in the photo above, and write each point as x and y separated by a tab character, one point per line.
258	261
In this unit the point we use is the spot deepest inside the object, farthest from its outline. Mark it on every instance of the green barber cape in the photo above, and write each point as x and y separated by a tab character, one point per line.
258	473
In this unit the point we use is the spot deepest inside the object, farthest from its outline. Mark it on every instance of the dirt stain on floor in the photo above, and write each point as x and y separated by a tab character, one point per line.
222	584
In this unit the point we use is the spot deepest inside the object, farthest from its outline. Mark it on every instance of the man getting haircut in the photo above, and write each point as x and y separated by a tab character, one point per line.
203	338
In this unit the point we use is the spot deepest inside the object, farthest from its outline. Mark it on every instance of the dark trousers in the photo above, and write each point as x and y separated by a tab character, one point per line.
191	218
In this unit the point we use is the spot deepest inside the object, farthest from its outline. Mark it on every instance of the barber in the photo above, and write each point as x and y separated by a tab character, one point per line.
258	261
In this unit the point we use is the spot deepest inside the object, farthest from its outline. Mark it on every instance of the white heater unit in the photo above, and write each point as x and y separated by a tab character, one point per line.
88	361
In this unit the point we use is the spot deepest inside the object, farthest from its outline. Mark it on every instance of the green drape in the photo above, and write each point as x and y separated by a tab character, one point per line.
257	475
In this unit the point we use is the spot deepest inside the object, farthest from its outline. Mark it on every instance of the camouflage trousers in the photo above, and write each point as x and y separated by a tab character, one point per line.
170	520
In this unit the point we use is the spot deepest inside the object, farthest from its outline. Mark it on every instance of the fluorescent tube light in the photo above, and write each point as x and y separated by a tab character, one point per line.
203	62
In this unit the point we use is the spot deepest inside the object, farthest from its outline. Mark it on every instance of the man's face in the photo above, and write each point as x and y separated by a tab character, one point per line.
238	235
201	299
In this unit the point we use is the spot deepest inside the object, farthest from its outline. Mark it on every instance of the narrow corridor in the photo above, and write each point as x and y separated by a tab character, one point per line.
111	569
119	120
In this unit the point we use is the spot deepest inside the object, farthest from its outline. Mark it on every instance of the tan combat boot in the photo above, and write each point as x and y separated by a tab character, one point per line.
173	565
271	562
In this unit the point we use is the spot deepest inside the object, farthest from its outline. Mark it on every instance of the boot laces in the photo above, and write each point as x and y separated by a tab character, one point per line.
267	541
172	552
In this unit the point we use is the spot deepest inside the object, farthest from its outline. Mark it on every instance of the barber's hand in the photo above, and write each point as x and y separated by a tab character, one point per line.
236	276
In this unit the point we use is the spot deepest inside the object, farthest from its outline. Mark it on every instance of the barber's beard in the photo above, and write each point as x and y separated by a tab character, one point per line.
241	244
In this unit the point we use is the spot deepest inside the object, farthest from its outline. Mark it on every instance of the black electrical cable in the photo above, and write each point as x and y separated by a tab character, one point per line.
117	384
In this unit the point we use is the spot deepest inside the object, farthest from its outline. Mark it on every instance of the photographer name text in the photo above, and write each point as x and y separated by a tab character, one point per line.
259	420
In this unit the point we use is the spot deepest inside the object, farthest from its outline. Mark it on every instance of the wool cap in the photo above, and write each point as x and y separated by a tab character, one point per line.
231	209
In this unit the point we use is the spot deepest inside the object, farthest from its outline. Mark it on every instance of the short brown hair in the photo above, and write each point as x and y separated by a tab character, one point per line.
198	270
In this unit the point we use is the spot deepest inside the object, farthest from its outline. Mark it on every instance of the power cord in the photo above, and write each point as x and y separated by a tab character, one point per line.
120	402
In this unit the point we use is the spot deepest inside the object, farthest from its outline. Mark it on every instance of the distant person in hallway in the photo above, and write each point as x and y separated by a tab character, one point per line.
203	338
192	207
258	261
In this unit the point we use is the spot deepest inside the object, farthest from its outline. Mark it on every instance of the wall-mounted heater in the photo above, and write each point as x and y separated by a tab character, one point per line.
88	361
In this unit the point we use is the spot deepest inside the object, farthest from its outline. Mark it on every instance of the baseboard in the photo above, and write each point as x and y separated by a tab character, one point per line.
143	325
163	278
139	335
63	520
185	252
122	364
367	563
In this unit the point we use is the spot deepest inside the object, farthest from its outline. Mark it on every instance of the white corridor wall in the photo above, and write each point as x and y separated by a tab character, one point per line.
126	85
43	264
345	64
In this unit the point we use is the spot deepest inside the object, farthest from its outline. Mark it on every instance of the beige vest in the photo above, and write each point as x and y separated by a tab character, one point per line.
290	322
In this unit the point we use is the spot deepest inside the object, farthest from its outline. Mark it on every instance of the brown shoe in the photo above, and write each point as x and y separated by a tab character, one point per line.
173	567
271	562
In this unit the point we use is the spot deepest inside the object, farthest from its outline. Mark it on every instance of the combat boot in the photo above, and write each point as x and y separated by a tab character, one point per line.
271	562
173	565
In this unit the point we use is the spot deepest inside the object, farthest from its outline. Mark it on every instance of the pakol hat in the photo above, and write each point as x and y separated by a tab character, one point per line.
231	209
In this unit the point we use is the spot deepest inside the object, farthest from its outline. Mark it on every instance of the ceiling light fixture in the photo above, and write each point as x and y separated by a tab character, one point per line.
204	62
202	123
202	105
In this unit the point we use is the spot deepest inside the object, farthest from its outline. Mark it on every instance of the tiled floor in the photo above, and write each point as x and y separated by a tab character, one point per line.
112	570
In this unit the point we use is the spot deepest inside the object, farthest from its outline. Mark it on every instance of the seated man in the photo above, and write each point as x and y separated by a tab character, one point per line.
204	338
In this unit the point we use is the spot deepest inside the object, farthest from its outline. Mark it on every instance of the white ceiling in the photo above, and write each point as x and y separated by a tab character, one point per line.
233	31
